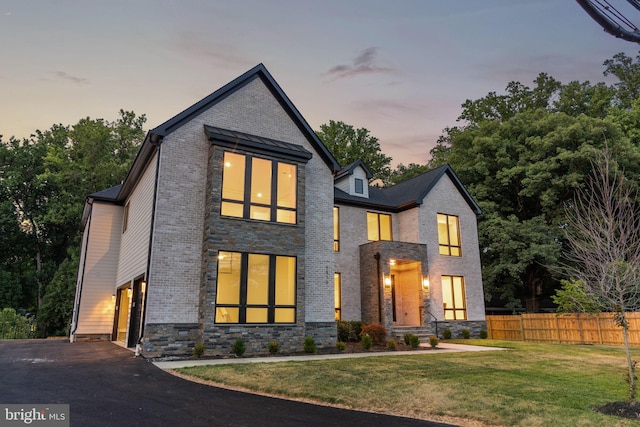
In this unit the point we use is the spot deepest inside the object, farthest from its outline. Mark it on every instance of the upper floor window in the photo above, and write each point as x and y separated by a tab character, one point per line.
259	189
336	229
449	235
255	288
378	226
359	186
453	298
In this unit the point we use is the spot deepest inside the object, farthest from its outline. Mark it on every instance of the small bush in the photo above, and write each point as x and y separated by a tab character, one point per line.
376	331
341	346
310	345
344	330
238	348
273	347
484	334
433	340
446	334
414	341
198	350
466	334
407	339
391	344
366	341
355	328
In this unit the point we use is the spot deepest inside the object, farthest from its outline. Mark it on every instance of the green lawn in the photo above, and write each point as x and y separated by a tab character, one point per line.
527	385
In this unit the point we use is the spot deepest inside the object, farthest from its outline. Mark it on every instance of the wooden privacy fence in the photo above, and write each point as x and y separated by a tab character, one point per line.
578	328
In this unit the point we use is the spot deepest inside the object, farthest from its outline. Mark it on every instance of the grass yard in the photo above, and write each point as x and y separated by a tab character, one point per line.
530	384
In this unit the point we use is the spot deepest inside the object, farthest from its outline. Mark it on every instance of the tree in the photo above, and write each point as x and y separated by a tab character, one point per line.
403	173
628	73
603	235
348	144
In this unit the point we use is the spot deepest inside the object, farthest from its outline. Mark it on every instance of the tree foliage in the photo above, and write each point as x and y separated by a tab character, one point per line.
348	145
524	153
44	180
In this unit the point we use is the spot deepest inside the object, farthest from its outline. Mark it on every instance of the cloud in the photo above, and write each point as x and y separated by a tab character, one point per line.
215	54
64	76
363	63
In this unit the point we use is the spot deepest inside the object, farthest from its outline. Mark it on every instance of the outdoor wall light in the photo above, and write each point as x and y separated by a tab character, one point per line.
143	286
387	282
113	297
425	284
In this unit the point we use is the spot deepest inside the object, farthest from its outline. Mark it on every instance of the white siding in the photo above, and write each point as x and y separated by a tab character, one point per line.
445	198
134	245
100	266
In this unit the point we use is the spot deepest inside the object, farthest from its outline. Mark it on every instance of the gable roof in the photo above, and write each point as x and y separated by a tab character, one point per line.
348	170
407	194
155	135
259	71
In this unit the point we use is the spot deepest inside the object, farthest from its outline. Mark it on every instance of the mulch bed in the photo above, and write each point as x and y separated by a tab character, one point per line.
621	409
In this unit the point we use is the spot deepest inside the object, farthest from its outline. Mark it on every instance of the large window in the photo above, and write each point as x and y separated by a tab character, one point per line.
255	288
258	189
378	226
336	229
337	292
453	298
449	235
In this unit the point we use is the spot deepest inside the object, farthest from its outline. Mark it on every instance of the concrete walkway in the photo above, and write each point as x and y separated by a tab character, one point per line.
442	348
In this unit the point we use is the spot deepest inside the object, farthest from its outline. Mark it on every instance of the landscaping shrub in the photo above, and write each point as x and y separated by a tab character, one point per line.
433	340
355	328
310	345
376	331
484	334
344	330
341	346
466	334
446	334
238	348
391	344
407	339
273	347
414	341
198	350
366	341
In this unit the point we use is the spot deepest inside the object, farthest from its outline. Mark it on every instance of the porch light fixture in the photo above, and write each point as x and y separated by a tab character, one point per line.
143	286
387	281
392	262
113	297
425	284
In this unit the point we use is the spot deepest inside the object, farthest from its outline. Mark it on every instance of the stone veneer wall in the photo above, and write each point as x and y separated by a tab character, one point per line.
170	339
456	327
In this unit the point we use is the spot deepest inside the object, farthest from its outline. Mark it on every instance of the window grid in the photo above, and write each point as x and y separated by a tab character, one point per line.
337	290
336	229
378	226
449	235
261	290
454	298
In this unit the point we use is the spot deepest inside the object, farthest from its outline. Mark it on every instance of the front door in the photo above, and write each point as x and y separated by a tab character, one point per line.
137	307
406	301
123	302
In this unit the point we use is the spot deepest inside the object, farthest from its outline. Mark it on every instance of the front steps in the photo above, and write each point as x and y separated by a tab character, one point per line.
422	332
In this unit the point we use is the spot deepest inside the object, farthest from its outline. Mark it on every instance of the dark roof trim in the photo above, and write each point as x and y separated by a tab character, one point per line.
348	170
259	71
257	144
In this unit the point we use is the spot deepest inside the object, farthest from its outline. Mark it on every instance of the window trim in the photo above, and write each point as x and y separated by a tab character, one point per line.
247	203
271	305
125	217
455	309
337	295
358	185
448	246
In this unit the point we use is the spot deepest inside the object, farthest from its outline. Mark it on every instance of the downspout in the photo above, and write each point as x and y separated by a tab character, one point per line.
157	141
377	257
76	308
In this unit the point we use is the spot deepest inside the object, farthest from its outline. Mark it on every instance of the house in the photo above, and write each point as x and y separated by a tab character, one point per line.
225	228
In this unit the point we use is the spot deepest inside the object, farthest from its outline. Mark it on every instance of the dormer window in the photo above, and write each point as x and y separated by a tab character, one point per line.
359	186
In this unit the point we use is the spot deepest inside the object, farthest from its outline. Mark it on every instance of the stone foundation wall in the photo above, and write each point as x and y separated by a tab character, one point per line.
457	326
170	339
92	337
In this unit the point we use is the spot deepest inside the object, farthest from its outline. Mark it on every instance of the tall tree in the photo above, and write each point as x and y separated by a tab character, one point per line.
603	235
348	144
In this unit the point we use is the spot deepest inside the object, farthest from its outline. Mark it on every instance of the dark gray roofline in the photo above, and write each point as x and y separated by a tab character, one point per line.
348	170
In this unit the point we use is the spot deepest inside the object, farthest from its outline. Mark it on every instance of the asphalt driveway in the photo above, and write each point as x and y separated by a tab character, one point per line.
105	385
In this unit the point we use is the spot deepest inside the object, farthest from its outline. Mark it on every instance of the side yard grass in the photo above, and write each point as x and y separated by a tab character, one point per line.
530	384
